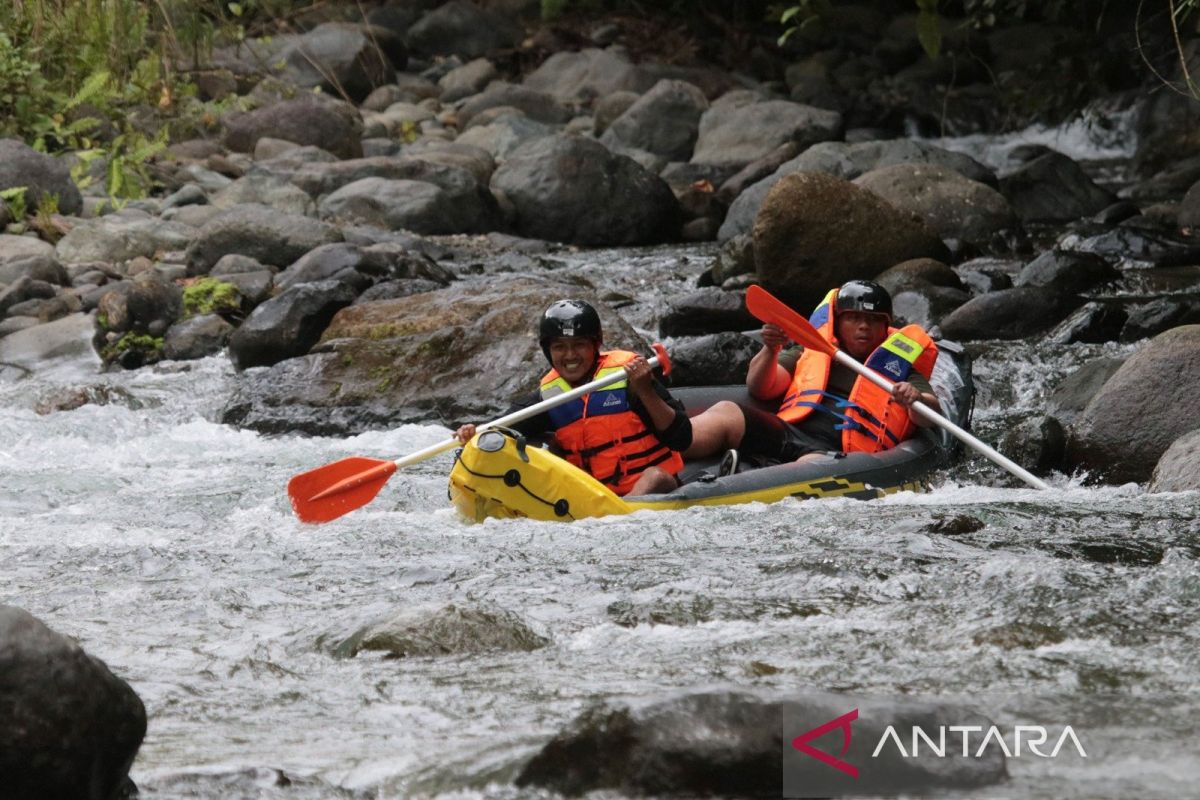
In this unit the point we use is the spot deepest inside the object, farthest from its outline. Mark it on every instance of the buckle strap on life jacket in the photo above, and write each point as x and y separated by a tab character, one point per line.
620	474
588	452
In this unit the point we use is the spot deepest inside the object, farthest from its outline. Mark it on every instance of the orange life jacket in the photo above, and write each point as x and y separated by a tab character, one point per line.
870	420
600	434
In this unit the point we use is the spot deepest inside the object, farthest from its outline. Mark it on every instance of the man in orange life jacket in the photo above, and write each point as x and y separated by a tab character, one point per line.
825	407
628	435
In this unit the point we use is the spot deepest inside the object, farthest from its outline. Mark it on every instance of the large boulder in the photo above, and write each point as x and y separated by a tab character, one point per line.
740	128
815	231
266	234
288	324
461	354
463	29
574	190
1008	314
307	120
1152	400
1179	468
954	207
1053	188
582	77
394	205
71	728
40	174
344	57
1072	395
116	238
664	121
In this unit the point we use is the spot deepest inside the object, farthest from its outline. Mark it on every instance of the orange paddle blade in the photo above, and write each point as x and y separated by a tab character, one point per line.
770	308
328	492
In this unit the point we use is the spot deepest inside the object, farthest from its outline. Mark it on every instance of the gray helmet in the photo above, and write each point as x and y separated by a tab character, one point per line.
569	318
866	296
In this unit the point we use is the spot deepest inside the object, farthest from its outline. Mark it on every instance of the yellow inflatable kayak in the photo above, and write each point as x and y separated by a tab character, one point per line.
498	474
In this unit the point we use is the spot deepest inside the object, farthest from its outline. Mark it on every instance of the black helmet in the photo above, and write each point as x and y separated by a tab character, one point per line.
866	296
569	318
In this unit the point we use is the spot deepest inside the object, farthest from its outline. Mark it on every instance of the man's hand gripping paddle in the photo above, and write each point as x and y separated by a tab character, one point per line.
769	308
328	492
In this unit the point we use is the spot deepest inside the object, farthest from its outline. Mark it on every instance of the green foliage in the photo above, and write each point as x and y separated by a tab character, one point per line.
14	199
211	296
805	14
150	347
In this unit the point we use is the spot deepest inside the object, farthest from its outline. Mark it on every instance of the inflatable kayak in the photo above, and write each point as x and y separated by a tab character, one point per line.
499	474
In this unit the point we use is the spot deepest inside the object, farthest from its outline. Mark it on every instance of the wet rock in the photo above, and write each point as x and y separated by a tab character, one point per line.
122	236
1149	402
580	77
664	121
394	205
70	336
1076	390
1125	552
45	309
1094	322
266	190
40	174
678	613
1155	247
717	359
953	206
1037	443
574	190
451	630
463	29
1008	314
1053	188
1189	209
72	728
253	287
704	311
196	337
307	120
730	744
146	304
957	525
288	324
928	305
984	275
1066	271
918	273
392	289
736	257
266	234
459	354
1179	468
1151	319
17	292
740	128
1020	635
815	231
344	57
71	398
323	263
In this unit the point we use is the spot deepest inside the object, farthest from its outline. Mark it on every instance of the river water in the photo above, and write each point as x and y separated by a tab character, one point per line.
165	544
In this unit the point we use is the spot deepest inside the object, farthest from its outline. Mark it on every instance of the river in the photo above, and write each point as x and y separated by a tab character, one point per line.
165	544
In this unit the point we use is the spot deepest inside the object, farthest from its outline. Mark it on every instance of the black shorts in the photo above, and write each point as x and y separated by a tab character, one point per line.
770	438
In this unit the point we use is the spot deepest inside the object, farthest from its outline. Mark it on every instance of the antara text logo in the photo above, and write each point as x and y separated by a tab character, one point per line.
947	741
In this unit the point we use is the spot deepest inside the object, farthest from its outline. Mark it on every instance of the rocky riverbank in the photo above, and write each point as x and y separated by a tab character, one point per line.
370	253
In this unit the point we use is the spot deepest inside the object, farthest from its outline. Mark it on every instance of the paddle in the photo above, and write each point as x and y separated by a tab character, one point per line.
328	492
769	308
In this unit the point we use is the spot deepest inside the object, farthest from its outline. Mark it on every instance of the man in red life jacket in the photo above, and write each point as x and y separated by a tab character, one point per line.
628	435
826	408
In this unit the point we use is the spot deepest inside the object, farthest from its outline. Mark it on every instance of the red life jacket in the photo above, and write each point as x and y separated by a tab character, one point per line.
601	435
871	420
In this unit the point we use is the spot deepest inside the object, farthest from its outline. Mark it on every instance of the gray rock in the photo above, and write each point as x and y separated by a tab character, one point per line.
69	337
307	120
1053	188
1151	319
716	359
926	305
266	190
323	263
196	337
704	311
463	29
122	236
1036	443
471	78
393	204
450	630
288	324
581	77
815	231
1189	209
26	256
146	304
735	132
1093	322
574	190
1066	271
664	121
254	287
1076	390
1008	314
344	57
609	108
536	105
235	263
917	273
266	234
1179	468
475	160
1152	400
40	174
71	727
953	206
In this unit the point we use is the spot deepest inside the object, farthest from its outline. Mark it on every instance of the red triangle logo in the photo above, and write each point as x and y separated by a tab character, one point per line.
801	743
